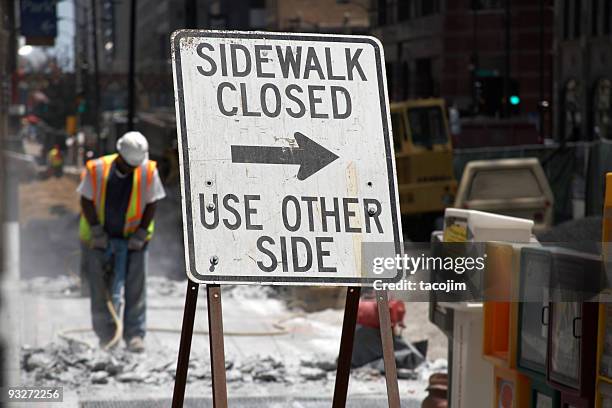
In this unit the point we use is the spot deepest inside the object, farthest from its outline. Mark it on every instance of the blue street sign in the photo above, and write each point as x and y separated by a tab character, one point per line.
38	18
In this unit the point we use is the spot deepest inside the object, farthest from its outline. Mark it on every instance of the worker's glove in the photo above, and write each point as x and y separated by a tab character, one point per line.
138	240
99	239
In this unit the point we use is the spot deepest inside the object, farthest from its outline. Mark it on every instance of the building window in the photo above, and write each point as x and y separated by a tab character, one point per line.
429	7
577	17
487	4
257	18
397	124
607	16
572	118
424	78
566	19
407	9
405	80
382	12
390	80
404	10
257	14
595	18
572	19
426	8
602	109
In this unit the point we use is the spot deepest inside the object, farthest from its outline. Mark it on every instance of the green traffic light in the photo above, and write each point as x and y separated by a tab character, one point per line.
82	107
514	100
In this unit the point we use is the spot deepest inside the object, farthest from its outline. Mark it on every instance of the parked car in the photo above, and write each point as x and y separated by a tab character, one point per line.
515	187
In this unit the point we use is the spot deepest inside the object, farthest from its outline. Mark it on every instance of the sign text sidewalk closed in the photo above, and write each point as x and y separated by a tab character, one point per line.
286	152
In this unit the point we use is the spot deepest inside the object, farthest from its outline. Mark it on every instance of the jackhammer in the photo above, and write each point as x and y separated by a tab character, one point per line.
115	270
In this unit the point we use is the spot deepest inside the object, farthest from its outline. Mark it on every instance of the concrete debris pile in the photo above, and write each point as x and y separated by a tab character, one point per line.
314	369
263	369
271	369
75	365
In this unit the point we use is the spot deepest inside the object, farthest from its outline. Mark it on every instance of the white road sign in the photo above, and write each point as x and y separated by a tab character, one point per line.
286	154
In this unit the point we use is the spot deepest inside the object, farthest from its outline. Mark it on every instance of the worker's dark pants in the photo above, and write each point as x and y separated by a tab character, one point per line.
134	314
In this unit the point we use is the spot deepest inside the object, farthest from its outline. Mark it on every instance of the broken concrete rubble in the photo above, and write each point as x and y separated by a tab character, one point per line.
99	377
74	365
265	369
298	362
325	364
312	374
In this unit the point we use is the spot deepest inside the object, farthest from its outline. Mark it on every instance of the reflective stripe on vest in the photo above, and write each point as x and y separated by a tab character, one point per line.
99	171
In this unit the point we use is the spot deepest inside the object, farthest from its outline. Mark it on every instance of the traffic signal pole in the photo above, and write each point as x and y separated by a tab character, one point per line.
96	104
191	14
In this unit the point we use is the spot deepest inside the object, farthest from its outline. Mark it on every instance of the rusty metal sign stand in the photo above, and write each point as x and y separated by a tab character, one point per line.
217	352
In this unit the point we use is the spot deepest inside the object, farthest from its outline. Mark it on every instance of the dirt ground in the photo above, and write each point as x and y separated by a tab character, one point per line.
48	199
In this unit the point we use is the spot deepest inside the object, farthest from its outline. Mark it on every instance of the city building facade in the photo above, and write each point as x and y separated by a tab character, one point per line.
491	59
583	69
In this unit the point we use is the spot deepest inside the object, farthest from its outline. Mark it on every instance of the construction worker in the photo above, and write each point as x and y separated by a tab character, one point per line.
55	162
119	193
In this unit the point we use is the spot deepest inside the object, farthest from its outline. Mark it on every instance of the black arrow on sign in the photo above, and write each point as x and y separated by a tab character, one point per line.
310	155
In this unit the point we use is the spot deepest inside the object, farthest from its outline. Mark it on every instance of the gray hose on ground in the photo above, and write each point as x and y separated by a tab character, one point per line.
116	320
66	334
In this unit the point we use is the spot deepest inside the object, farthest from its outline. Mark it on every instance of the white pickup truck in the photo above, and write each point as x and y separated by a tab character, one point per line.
514	187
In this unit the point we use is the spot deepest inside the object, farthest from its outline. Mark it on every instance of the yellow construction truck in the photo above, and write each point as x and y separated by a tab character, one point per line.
424	161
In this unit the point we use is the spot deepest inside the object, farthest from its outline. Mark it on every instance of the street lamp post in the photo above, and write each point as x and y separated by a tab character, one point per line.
79	66
131	68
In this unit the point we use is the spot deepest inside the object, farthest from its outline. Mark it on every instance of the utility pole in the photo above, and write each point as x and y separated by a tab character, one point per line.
475	62
12	49
506	106
10	314
132	66
96	104
541	73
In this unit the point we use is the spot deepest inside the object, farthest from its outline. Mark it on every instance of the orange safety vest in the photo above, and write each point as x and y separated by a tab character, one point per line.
54	158
99	170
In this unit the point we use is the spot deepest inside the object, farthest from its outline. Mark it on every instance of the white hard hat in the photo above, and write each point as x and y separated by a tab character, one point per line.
133	147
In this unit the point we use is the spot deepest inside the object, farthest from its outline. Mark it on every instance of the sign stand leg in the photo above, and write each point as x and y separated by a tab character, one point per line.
217	353
386	337
182	365
343	370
